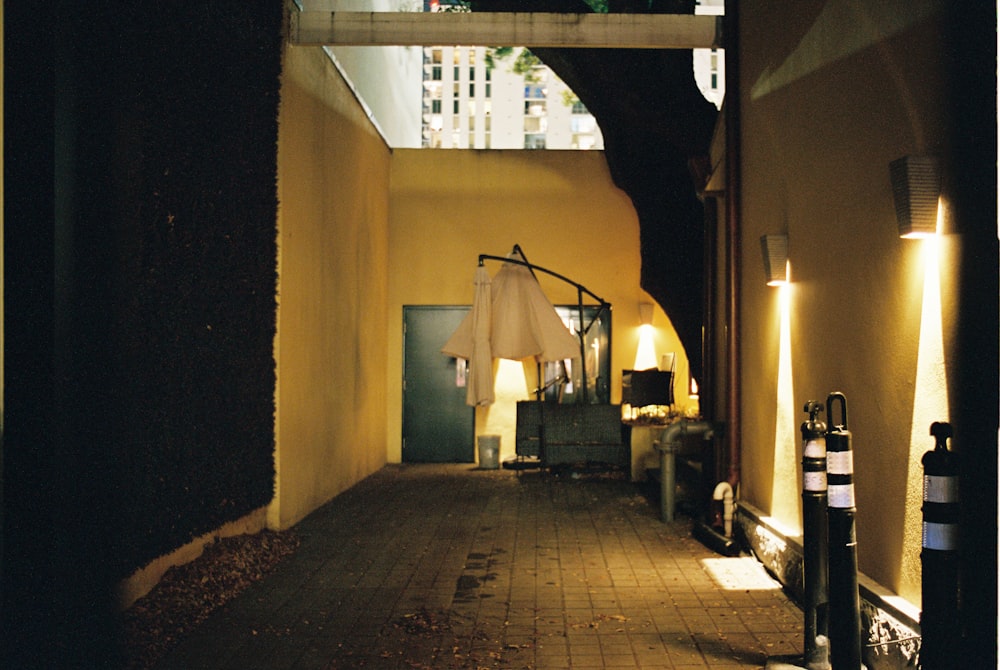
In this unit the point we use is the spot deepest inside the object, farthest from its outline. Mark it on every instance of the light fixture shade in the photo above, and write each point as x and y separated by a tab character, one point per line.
916	185
775	250
646	313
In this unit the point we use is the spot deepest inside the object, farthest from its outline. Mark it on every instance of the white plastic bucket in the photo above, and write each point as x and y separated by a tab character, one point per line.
489	452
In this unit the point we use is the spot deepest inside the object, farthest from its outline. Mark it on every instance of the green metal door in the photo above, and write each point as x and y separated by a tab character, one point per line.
438	427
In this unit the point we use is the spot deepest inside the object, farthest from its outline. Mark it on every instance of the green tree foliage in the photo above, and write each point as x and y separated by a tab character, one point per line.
524	63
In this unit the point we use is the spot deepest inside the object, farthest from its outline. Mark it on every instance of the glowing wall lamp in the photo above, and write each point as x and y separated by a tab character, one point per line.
916	185
775	250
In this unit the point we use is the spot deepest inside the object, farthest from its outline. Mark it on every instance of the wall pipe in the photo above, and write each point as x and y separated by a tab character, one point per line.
712	466
724	492
668	445
723	543
707	383
733	242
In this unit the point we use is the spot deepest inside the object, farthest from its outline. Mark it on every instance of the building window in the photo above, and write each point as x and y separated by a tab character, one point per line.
454	106
436	73
432	89
583	124
436	106
456	73
534	141
534	107
472	90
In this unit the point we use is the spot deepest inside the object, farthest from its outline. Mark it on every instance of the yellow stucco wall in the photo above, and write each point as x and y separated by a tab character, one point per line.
333	177
447	207
829	100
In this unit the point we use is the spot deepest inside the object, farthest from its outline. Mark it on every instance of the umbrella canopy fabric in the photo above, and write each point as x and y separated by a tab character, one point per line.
525	324
511	318
471	341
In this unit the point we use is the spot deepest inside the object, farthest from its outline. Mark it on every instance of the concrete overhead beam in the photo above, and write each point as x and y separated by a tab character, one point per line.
528	29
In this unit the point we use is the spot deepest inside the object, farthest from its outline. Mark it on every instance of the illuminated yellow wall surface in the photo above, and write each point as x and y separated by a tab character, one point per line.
829	100
364	231
333	176
447	207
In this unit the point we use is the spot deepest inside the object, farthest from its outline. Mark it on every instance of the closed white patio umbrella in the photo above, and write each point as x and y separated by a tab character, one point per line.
525	324
511	318
471	341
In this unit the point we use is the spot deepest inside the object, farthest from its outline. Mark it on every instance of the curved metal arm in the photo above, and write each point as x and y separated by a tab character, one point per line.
532	266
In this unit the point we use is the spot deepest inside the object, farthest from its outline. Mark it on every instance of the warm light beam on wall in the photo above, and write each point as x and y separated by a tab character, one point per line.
785	501
645	352
930	404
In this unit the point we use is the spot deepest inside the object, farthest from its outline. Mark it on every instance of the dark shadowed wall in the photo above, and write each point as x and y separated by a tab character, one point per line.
140	207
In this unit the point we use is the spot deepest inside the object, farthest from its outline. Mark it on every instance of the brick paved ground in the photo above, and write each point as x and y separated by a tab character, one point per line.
446	566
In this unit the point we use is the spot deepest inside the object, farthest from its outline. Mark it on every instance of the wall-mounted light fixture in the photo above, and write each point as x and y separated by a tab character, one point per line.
775	250
646	313
916	185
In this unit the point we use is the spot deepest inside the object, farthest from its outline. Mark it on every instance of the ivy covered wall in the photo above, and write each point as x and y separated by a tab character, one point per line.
194	268
140	222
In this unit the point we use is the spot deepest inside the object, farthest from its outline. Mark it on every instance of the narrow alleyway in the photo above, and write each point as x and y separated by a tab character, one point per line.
446	566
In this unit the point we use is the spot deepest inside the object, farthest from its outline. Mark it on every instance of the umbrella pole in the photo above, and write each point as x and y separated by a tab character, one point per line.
581	335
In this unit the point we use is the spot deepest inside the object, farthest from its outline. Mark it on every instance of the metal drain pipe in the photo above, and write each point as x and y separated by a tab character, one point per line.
724	493
668	445
734	186
722	543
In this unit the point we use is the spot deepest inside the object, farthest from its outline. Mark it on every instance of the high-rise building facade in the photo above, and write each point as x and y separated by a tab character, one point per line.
485	98
482	98
709	64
